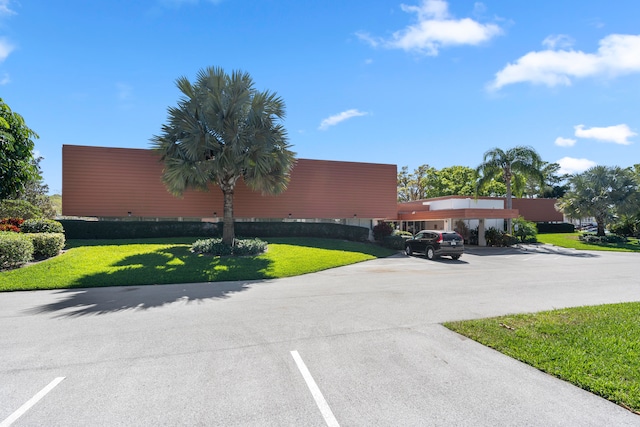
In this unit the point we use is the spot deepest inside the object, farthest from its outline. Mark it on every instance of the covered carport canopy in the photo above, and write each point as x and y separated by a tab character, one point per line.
448	217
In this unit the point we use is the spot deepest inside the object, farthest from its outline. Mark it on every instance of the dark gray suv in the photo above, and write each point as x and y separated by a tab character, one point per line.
435	243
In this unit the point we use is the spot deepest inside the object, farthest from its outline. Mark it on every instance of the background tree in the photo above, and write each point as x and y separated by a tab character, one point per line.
517	161
602	193
456	181
35	191
417	185
427	182
17	167
553	183
224	130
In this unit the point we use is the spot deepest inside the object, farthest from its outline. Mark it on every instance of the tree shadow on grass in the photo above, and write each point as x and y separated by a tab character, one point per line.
186	278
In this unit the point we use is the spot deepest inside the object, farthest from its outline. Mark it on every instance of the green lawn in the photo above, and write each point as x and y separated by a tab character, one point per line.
92	263
570	240
595	348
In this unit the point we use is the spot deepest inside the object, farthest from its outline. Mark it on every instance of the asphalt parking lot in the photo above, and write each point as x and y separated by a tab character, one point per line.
360	345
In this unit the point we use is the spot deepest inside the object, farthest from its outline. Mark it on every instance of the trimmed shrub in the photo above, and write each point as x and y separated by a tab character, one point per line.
241	247
395	242
249	247
41	226
381	230
46	245
19	209
508	240
15	249
609	238
551	227
81	229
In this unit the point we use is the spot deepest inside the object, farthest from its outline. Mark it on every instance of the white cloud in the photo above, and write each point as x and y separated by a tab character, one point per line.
617	54
340	117
5	49
565	142
5	9
570	165
435	29
618	134
558	40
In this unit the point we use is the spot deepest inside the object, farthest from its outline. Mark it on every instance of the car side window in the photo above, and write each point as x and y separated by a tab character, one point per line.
419	236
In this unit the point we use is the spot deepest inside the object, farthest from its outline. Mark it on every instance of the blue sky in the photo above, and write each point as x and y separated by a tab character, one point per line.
421	82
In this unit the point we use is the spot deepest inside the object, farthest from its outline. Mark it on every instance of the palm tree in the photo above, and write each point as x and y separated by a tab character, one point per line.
601	192
222	130
518	162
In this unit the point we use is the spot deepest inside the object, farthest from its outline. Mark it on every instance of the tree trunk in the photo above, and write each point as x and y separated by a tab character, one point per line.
228	231
507	181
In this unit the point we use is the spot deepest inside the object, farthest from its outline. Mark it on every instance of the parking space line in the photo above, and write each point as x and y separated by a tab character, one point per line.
24	408
327	414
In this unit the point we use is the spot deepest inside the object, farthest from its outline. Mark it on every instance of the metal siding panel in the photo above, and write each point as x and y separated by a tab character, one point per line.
105	182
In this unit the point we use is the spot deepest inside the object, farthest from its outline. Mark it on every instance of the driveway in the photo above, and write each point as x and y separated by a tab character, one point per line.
360	345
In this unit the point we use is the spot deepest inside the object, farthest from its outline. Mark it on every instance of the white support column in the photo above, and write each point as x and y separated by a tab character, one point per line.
481	239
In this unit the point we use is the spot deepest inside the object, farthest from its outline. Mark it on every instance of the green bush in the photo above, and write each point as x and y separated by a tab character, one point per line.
495	237
41	226
381	230
608	238
402	233
46	245
249	247
217	248
19	209
553	227
395	242
15	249
525	230
508	240
81	229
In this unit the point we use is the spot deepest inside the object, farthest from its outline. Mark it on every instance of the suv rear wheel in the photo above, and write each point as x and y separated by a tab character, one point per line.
431	253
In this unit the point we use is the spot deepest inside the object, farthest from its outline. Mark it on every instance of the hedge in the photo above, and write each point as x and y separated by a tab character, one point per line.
81	229
46	245
552	227
15	249
41	226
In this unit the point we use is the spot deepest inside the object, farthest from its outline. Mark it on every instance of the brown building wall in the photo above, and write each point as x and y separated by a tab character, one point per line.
110	182
538	210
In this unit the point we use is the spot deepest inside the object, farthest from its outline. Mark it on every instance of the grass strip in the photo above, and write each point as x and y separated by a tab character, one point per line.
570	240
596	348
162	261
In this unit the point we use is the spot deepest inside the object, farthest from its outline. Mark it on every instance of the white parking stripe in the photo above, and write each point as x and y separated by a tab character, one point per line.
315	391
24	408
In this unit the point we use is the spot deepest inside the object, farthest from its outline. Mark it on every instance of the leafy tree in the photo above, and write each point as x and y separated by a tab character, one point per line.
224	130
35	192
515	162
427	182
603	193
553	184
417	185
16	153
